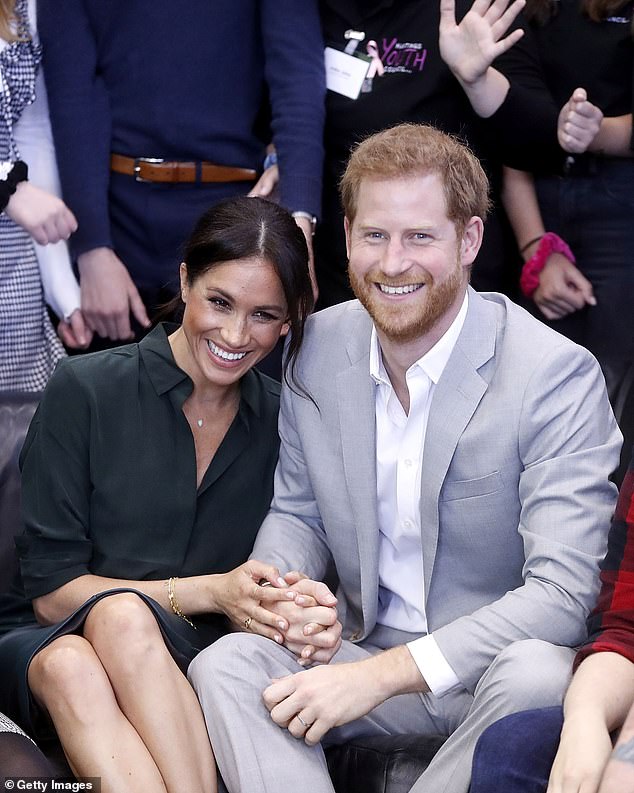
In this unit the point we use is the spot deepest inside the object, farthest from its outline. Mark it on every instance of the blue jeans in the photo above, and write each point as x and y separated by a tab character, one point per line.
515	754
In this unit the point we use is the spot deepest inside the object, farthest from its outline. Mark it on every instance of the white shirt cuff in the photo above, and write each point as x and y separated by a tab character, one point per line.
433	666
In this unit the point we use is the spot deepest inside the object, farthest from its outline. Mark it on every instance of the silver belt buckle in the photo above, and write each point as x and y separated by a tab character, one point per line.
137	166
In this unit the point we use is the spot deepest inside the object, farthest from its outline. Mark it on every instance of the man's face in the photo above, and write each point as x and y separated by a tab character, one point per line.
406	263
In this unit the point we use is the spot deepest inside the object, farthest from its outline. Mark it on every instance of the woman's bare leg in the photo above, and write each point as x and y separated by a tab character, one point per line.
152	692
69	681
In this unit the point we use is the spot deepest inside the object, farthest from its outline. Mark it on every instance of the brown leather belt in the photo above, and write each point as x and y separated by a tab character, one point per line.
151	169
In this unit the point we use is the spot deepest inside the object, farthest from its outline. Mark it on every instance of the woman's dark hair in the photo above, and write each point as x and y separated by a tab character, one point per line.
541	11
243	228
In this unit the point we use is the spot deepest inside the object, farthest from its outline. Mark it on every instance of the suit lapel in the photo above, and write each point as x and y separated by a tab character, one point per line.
455	399
356	402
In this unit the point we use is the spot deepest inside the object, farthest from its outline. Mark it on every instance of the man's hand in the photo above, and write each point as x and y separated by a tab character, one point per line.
108	295
562	288
312	702
44	216
307	227
267	183
311	617
323	697
469	48
579	123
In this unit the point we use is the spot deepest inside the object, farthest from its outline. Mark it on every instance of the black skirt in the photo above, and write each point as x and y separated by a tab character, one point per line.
19	646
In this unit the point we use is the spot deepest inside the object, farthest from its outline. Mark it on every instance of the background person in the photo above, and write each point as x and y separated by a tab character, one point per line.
161	112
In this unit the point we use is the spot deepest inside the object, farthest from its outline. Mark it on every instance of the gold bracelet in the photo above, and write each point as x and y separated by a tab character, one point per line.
171	596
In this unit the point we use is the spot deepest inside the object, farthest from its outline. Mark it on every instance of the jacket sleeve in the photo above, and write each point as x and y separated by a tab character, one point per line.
80	118
294	68
568	445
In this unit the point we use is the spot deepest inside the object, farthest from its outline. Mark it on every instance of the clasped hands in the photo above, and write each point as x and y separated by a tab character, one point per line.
292	610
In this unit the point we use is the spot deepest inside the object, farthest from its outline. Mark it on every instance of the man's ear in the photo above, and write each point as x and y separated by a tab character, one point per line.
347	226
182	271
471	240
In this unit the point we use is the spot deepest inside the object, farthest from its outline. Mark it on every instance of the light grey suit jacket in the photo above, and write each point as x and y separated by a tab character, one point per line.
515	500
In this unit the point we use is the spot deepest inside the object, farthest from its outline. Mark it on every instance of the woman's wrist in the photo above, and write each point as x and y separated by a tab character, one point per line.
11	175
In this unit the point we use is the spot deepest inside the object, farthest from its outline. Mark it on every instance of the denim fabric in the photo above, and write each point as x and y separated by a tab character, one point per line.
515	754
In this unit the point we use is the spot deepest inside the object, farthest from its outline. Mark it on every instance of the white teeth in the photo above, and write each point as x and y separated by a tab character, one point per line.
226	356
399	290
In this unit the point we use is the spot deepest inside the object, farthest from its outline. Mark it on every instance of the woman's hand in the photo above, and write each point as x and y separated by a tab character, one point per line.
562	289
239	595
579	123
584	750
44	216
74	332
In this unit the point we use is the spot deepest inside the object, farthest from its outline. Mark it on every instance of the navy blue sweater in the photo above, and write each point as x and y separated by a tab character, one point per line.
184	81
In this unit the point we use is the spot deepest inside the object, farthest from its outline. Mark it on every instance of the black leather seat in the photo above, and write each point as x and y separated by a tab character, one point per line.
372	765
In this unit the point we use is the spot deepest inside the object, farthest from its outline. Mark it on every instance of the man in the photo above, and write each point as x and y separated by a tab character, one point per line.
453	466
156	109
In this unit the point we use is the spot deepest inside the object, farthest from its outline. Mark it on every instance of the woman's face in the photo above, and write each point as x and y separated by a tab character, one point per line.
234	315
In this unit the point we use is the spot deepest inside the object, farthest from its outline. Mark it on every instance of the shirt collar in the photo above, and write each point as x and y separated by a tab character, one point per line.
433	362
165	374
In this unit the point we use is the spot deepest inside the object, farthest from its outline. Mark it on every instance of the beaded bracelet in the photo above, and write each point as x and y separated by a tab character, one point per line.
8	185
171	596
549	243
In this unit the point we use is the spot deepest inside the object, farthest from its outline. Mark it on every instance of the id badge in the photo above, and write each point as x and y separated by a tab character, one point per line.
345	73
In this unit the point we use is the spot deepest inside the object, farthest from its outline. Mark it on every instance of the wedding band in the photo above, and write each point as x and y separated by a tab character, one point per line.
303	722
247	623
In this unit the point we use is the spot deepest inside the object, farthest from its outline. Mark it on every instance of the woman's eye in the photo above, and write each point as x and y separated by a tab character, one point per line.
218	302
264	315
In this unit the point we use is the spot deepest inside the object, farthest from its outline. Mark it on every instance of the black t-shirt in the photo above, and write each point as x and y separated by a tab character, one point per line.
545	67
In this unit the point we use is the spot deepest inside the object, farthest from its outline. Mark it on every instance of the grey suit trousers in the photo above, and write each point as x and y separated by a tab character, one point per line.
254	754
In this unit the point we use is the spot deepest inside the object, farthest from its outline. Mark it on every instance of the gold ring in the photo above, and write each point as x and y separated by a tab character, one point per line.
247	623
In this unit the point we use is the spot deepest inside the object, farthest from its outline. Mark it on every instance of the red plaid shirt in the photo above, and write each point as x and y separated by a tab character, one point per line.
611	624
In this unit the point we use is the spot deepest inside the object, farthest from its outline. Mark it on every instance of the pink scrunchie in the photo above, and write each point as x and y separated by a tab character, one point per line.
549	243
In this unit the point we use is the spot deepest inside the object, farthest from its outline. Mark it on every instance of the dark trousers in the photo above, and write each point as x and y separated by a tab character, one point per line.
515	754
594	213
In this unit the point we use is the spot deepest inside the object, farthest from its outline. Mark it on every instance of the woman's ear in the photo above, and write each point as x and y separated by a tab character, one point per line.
285	328
182	270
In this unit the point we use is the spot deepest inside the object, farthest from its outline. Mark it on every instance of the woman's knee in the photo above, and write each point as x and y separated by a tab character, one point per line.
121	620
67	669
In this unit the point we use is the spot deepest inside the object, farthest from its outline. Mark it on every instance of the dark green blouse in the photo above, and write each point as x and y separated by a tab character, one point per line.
109	475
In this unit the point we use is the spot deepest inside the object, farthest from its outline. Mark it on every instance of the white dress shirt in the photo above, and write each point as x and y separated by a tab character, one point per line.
400	441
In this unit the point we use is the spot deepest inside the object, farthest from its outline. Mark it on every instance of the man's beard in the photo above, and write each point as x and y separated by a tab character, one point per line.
402	322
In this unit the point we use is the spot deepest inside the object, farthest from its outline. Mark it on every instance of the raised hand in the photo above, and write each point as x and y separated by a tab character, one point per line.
579	123
469	48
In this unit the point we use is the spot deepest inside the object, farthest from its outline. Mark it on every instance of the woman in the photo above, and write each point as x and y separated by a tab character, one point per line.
34	262
146	473
559	103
